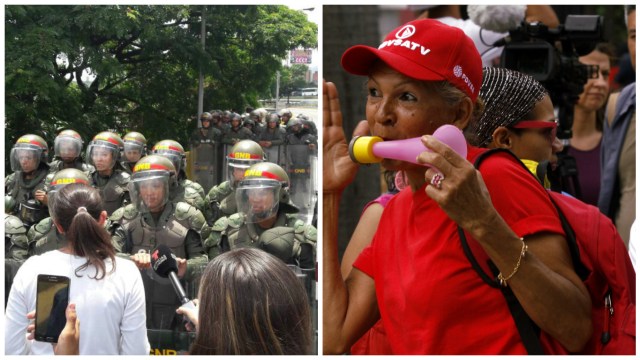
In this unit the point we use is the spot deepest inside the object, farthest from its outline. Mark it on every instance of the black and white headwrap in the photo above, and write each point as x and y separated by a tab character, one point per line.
508	97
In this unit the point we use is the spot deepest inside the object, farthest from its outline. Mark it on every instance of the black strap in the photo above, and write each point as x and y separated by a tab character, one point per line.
528	330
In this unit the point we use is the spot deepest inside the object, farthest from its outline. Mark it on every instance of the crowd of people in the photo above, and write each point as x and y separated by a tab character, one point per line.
140	199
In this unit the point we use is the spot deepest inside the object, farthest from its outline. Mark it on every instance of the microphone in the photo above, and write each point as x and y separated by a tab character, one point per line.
498	18
164	263
372	149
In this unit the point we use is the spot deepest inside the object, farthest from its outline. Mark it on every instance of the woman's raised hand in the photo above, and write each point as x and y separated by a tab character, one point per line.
338	169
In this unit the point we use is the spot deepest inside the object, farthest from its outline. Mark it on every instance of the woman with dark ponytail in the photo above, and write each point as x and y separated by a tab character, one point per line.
107	291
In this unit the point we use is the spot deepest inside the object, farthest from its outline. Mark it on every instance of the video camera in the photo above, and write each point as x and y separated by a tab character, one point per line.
551	57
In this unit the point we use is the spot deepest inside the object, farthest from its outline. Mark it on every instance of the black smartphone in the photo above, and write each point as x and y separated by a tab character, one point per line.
51	304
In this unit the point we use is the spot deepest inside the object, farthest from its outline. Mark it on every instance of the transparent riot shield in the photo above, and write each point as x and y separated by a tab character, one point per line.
175	341
224	171
207	163
308	279
275	154
301	163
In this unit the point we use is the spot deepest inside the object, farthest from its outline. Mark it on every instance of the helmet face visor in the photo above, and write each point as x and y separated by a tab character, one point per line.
67	148
133	151
237	168
150	190
25	157
258	199
102	155
174	156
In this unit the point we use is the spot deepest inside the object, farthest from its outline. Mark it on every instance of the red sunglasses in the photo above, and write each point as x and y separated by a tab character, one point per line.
540	124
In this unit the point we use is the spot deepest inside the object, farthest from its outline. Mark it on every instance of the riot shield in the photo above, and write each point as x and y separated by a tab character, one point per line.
301	163
276	155
224	171
207	164
176	341
308	279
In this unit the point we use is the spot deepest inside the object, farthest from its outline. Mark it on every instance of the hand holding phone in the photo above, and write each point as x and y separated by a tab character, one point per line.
51	302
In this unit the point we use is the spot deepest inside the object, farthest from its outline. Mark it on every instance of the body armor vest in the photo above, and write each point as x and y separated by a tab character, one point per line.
115	193
43	237
27	209
159	293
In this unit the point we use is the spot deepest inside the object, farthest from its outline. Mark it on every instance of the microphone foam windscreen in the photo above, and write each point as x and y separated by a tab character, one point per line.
163	261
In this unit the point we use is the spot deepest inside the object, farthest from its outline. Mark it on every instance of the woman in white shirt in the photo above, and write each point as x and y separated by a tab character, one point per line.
107	291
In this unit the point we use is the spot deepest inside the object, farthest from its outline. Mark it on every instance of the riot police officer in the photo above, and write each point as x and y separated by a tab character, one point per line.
266	219
207	133
183	189
221	198
44	235
135	147
301	147
67	149
285	116
236	132
26	185
272	140
108	177
150	220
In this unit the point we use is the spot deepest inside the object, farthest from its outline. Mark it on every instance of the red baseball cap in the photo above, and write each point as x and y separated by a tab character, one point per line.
423	49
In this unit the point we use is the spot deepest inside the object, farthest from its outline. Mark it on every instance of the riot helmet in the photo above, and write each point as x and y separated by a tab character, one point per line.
150	182
216	116
104	150
236	120
273	120
173	151
63	178
28	152
135	146
226	116
249	123
67	145
265	186
254	115
285	116
206	117
294	126
243	154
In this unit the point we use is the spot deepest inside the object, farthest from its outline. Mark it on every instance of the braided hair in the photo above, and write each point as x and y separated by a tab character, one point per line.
508	97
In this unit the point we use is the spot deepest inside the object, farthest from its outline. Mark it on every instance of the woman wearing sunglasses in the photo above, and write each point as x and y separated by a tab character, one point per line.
518	116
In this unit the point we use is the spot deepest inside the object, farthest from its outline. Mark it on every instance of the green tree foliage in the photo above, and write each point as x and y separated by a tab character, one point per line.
124	68
292	78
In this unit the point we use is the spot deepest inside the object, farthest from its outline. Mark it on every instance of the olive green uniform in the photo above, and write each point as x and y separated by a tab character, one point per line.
289	239
113	189
16	244
22	190
180	227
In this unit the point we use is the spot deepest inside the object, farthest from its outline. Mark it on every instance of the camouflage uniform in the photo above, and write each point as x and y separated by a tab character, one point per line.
181	227
290	239
16	244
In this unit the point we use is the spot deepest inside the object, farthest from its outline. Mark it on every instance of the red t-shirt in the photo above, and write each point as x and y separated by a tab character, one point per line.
431	300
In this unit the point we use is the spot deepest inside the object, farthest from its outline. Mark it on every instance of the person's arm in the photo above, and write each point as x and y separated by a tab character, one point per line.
545	283
543	13
361	237
350	306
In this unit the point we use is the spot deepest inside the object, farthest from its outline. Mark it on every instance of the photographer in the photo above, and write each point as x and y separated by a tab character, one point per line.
586	132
